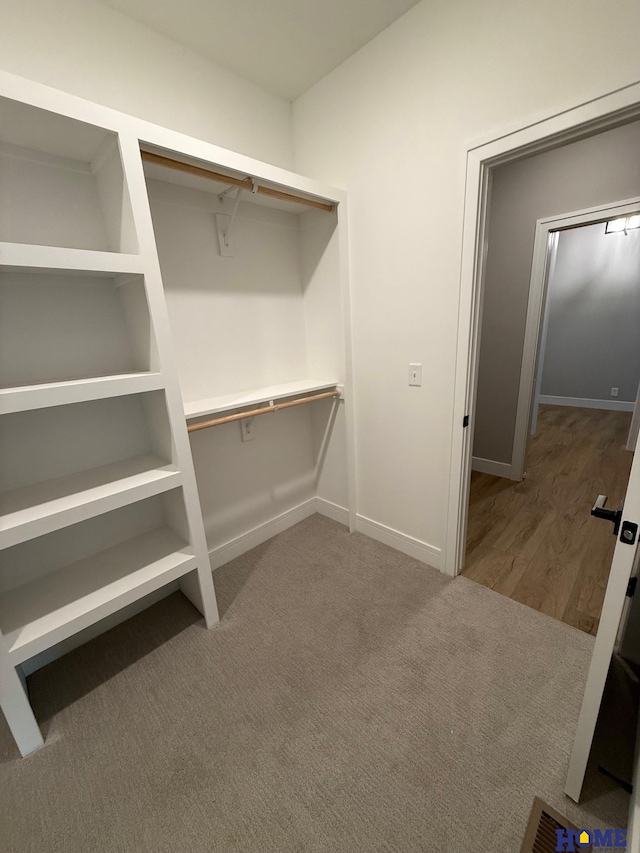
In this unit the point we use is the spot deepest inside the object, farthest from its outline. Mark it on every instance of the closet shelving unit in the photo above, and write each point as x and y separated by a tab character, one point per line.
98	502
253	268
99	505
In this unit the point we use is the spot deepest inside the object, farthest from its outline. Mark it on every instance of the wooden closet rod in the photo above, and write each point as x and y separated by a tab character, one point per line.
264	410
245	183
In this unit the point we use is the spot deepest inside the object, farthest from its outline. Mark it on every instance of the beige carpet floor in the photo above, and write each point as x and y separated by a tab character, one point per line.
351	700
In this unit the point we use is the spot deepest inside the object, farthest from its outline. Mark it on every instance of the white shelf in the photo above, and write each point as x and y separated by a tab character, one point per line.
26	397
25	257
39	614
43	507
227	402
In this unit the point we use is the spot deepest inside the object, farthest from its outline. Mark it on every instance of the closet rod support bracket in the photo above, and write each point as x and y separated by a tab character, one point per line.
224	233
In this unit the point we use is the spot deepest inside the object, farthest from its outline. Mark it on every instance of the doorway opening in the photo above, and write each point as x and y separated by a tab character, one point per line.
591	118
530	535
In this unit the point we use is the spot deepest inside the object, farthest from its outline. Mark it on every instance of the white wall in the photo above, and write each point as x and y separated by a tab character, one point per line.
593	343
90	50
392	124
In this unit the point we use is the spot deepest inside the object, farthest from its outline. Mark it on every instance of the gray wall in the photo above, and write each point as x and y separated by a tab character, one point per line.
593	337
601	169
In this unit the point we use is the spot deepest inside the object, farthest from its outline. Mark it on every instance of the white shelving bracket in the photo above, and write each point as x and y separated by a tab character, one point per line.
224	234
223	194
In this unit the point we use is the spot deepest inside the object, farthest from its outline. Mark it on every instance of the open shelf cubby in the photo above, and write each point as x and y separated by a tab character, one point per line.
58	584
78	326
260	316
62	182
63	464
253	280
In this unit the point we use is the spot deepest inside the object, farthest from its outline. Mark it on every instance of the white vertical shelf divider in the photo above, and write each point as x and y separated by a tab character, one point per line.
200	591
16	707
349	380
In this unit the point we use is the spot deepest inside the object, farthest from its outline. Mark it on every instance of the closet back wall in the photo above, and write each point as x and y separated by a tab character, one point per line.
253	320
214	301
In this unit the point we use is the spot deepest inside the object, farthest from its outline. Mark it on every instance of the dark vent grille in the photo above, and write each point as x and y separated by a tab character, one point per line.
546	838
540	836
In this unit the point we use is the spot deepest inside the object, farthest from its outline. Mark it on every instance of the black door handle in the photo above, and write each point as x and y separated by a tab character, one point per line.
613	515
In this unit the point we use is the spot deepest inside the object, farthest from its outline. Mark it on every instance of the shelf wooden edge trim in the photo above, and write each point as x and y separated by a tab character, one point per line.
243	183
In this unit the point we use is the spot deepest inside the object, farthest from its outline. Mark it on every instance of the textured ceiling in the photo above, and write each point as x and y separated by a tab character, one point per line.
284	46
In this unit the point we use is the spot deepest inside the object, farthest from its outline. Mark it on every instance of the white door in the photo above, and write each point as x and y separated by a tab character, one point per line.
632	440
614	609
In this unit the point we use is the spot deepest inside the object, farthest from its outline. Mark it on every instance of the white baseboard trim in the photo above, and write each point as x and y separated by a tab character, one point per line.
488	466
334	511
380	532
252	538
583	403
400	541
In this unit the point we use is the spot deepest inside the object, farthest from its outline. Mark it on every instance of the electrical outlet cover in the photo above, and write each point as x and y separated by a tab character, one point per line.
246	429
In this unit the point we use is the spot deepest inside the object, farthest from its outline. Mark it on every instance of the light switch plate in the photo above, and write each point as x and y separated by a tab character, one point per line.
415	374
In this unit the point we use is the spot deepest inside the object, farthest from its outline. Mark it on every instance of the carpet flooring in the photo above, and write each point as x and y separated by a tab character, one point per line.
351	699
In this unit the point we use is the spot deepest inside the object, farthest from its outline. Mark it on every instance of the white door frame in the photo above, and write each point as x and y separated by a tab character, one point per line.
587	119
634	429
544	250
549	270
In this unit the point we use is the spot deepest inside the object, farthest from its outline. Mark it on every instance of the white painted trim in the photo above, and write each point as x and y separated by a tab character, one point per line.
488	466
415	548
619	98
585	403
222	554
592	116
332	510
400	541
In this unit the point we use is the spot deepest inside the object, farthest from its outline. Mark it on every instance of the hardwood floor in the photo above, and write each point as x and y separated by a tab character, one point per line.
535	541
